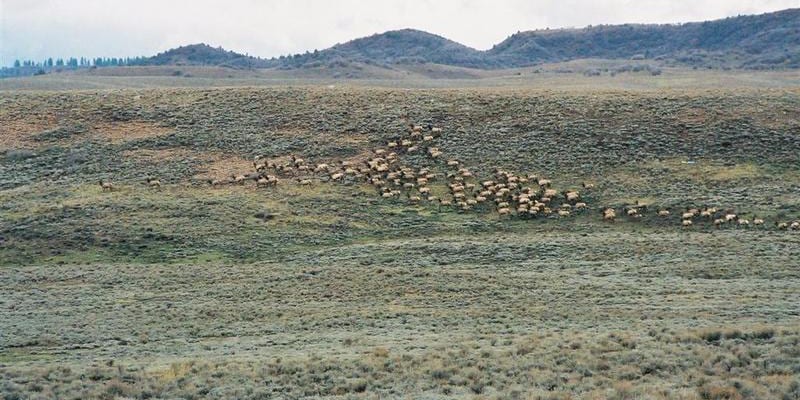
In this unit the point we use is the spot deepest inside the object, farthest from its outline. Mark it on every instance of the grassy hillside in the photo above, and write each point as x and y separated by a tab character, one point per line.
766	41
567	76
193	290
729	150
395	47
203	54
752	41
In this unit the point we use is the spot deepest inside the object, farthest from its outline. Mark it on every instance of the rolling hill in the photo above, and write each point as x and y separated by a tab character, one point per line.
203	54
761	41
323	288
397	47
756	42
766	41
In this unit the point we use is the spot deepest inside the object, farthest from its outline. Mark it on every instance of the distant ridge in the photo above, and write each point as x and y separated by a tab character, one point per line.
403	46
765	41
758	42
203	54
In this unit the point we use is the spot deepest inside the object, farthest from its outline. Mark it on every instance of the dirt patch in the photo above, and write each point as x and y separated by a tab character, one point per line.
693	116
348	139
18	134
766	113
324	139
160	155
34	132
705	170
312	135
222	166
209	165
119	132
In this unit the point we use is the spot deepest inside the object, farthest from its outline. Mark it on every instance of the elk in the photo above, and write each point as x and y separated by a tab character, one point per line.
106	186
572	196
238	179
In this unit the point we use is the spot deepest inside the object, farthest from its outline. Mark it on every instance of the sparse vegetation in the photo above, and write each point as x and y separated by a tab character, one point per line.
328	279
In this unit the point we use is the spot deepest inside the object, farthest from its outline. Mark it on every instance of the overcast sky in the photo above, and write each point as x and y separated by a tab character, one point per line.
35	29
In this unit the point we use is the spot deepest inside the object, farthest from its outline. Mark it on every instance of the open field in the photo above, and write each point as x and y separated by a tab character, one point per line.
566	76
192	290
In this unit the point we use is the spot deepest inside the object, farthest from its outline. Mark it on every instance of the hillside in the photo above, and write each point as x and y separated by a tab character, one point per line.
764	41
397	47
203	55
203	287
631	145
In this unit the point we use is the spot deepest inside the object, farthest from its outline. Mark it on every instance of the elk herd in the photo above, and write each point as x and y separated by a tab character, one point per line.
447	184
692	216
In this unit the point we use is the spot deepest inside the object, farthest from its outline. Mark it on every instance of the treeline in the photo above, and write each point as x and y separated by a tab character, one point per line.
33	67
79	62
73	62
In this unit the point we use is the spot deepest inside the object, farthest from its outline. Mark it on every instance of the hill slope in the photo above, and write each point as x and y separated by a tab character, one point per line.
203	54
758	41
400	46
742	42
766	41
329	289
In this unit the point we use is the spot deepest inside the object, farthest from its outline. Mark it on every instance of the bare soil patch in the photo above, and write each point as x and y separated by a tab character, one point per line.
160	155
221	166
18	133
118	132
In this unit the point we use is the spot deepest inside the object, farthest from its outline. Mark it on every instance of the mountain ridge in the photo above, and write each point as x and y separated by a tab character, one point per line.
763	41
203	54
747	41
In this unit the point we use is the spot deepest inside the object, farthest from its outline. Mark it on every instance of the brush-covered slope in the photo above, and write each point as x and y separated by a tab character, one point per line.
393	47
766	41
759	41
763	41
327	289
204	55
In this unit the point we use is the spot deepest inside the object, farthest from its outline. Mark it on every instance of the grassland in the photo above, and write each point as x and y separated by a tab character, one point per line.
565	76
193	291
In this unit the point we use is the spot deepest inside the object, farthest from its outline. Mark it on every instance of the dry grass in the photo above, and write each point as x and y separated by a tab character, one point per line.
119	132
701	171
221	166
18	133
359	139
21	133
510	79
161	155
693	116
329	291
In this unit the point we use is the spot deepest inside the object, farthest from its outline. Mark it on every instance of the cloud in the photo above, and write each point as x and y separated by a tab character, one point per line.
35	29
